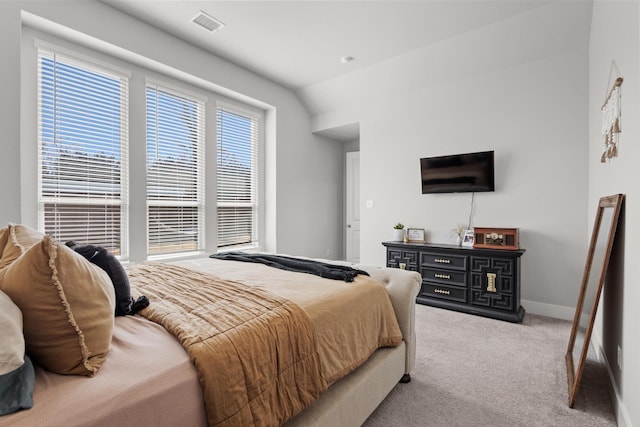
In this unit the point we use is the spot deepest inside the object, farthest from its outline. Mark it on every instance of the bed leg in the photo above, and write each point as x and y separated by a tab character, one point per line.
405	379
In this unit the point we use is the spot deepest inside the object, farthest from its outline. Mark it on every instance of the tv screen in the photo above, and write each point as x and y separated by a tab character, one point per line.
459	173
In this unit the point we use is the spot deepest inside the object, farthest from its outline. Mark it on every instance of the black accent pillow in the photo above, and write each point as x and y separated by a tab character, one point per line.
110	264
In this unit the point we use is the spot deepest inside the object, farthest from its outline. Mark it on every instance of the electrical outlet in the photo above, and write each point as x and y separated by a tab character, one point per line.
620	358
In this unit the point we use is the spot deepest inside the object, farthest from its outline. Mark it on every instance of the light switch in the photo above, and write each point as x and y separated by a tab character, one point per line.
369	203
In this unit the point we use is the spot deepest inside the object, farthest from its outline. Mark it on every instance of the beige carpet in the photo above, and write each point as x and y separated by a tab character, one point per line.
475	371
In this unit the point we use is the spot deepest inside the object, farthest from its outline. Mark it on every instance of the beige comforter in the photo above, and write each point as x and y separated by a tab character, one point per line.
255	352
352	320
252	382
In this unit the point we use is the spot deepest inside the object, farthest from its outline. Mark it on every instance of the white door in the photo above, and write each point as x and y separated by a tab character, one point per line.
352	207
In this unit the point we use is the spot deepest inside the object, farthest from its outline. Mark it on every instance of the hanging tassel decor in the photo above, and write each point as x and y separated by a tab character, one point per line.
611	122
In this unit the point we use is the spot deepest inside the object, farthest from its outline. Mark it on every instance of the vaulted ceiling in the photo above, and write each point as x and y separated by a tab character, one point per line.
299	44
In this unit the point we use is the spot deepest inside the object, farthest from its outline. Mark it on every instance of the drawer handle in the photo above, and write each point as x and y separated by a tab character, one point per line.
442	291
491	282
442	276
443	261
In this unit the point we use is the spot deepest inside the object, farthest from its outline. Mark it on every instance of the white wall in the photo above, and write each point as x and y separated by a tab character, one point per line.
615	36
489	89
304	170
9	112
534	117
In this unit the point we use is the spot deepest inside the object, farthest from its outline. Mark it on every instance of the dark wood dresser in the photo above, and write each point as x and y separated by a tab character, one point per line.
485	282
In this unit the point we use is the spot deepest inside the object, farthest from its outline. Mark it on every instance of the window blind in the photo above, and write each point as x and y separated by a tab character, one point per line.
82	152
175	171
237	178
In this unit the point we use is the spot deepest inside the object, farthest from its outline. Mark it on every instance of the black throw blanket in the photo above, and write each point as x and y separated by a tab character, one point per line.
322	269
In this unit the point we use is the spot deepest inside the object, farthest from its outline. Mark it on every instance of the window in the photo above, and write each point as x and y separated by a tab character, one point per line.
122	156
175	172
82	152
237	165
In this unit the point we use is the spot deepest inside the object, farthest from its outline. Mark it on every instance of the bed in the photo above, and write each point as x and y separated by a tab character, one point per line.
147	376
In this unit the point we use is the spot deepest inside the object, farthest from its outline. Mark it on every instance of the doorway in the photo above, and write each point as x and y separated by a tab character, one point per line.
352	207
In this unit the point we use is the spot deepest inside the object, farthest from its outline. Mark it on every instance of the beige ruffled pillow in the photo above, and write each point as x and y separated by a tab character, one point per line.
4	236
14	240
67	303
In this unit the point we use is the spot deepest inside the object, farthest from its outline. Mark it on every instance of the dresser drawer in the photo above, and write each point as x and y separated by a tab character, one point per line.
447	277
452	262
451	293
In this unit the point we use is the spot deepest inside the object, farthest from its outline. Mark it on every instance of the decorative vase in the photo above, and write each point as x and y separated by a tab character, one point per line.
398	235
459	240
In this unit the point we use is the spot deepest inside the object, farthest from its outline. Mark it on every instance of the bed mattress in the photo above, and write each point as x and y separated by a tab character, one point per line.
148	379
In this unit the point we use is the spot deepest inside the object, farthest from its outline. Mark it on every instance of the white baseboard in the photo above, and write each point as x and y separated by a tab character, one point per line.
619	408
549	310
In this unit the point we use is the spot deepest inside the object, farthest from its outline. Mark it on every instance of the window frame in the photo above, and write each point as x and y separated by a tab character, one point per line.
257	179
88	64
199	203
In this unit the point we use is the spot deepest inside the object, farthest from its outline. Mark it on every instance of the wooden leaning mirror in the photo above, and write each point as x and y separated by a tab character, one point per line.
595	270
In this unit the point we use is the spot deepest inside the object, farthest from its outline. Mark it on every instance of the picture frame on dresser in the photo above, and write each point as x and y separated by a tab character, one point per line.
467	238
415	235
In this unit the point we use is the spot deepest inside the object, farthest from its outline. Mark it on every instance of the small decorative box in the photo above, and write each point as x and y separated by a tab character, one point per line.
496	238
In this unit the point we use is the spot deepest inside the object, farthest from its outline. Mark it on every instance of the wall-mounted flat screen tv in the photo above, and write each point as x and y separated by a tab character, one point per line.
459	173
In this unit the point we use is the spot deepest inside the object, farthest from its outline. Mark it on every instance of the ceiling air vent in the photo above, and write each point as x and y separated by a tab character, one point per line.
207	21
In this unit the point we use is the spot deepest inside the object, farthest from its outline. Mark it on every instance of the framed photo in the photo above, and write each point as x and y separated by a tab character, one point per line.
467	239
415	235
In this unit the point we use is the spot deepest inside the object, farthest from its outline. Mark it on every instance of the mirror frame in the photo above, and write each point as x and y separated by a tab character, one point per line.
574	372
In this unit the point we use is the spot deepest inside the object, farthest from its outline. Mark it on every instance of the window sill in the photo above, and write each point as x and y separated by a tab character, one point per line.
178	256
250	249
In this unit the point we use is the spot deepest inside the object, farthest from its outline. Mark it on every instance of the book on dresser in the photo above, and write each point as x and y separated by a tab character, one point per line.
479	281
